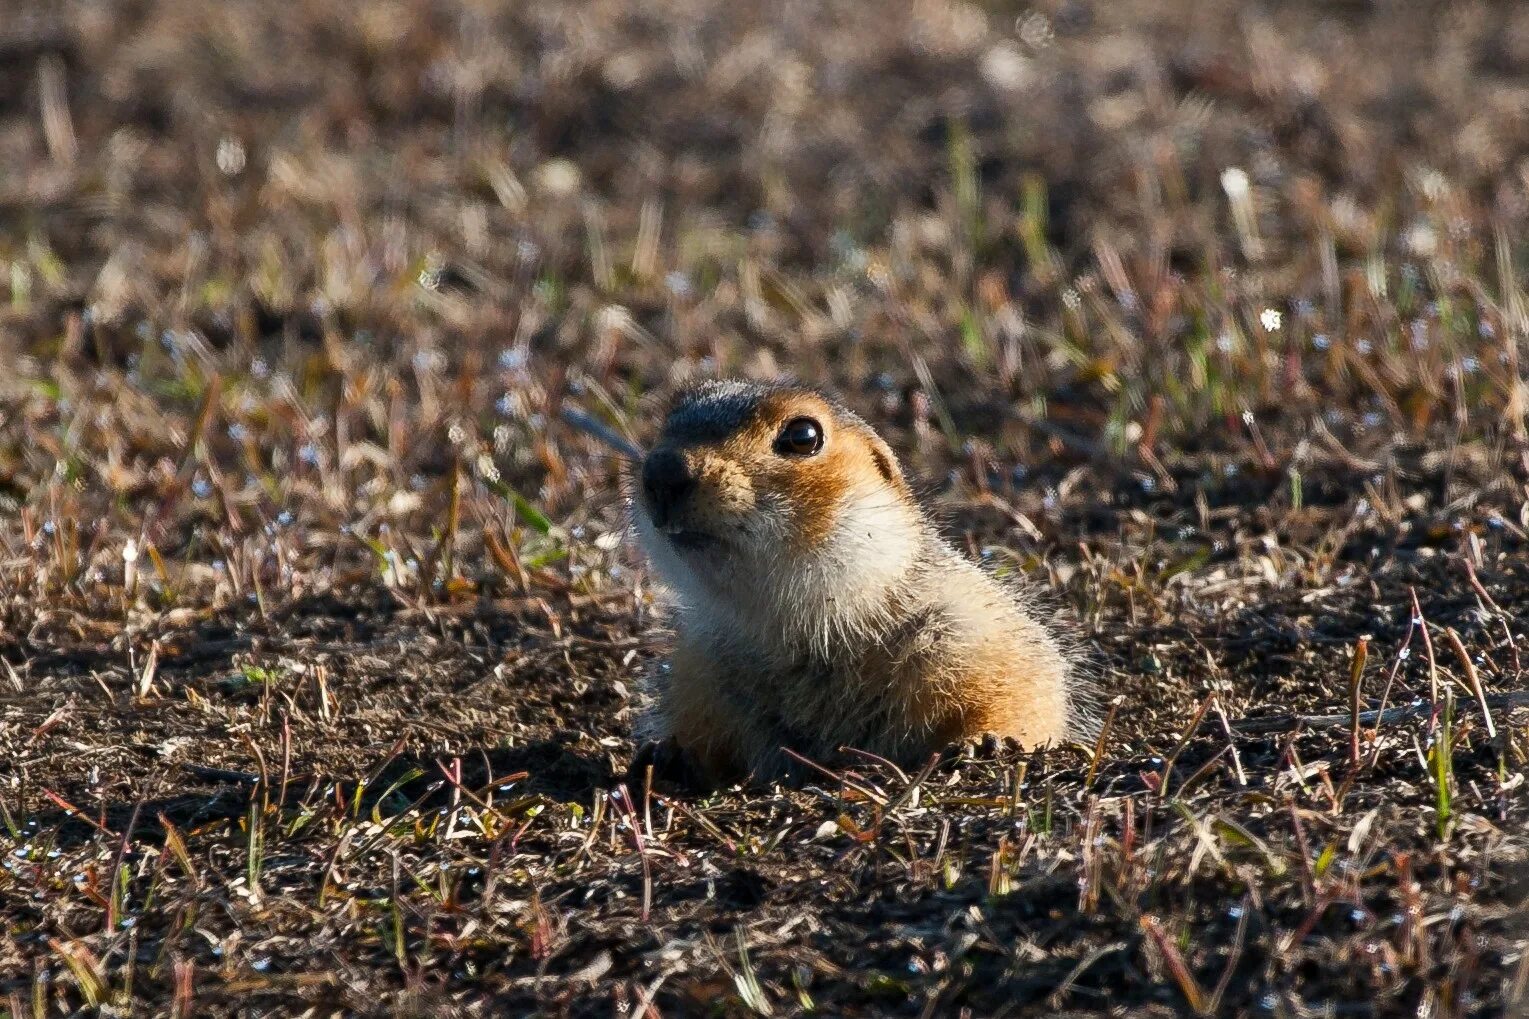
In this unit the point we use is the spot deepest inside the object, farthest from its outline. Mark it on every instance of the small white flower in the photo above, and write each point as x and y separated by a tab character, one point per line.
230	156
1035	30
1007	69
1271	319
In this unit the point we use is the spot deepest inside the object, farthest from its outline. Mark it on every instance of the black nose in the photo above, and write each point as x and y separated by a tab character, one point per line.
667	480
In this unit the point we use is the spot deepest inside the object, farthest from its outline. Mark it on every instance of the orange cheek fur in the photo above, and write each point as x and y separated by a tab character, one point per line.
744	470
809	491
814	489
811	488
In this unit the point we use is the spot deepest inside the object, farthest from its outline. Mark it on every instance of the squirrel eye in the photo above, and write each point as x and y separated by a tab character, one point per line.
800	437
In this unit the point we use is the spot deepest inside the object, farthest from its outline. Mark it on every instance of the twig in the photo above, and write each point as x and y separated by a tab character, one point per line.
1472	677
1285	723
1174	960
1355	686
212	774
1476	585
116	866
1194	725
1402	653
1433	665
622	797
1104	732
594	427
76	812
1226	727
874	797
902	776
1057	996
1202	770
1234	955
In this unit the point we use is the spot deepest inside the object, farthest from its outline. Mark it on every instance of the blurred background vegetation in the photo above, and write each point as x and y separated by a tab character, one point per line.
1057	231
323	328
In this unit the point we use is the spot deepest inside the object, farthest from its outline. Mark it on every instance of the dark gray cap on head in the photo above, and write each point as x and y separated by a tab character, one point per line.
715	410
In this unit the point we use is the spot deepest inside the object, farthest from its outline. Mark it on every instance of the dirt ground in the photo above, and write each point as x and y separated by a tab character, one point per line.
322	326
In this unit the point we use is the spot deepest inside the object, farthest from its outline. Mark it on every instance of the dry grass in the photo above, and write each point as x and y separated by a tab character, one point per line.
320	643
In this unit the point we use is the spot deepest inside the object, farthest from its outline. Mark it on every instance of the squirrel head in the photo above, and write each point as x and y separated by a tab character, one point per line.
753	488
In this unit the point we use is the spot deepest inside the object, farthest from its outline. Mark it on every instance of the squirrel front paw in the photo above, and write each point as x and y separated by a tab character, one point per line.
666	764
986	746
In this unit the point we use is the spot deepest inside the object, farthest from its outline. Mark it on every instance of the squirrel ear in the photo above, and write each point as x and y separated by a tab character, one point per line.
886	462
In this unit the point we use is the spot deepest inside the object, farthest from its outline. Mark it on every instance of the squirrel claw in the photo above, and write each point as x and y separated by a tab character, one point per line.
987	746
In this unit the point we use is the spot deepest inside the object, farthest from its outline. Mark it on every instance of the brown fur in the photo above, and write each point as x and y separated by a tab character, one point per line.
824	610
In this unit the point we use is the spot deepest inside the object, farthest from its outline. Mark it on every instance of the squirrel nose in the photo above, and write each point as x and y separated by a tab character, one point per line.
667	479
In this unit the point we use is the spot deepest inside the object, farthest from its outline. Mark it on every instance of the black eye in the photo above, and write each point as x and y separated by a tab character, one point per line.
800	437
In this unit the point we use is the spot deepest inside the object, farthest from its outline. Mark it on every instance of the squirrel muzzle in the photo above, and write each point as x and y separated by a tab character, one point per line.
667	482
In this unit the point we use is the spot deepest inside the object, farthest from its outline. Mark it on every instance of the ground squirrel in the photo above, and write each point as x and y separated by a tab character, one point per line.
816	605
